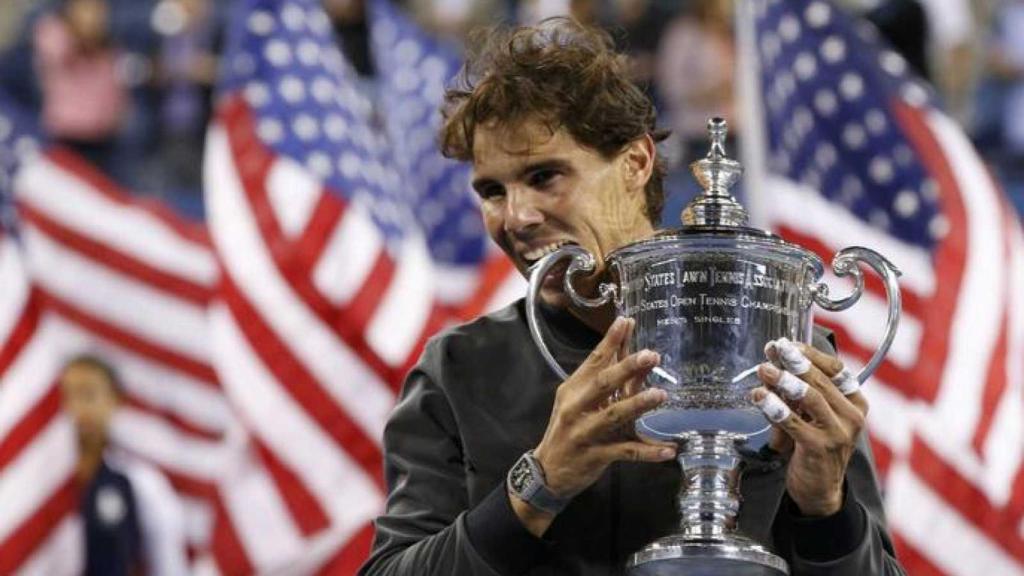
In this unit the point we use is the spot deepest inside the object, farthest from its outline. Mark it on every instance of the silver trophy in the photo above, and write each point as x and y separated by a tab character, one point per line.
707	297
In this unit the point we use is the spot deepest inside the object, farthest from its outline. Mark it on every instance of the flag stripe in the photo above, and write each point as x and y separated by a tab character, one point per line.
304	507
226	546
326	217
27	537
32	422
200	371
301	385
98	182
351	554
172	283
21	334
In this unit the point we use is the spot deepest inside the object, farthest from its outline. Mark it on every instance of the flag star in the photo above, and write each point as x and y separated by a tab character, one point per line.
825	102
408	52
851	86
349	164
818	14
867	31
434	67
851	191
881	170
880	219
305	127
805	65
335	127
261	23
322	89
294	17
278	53
903	155
270	130
915	94
803	121
789	28
825	155
308	53
938	227
791	138
875	121
257	94
906	203
787	84
893	63
319	23
833	50
320	164
854	136
811	178
292	89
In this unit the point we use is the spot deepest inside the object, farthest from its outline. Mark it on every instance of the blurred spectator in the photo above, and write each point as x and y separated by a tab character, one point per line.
186	73
349	20
694	74
82	95
1007	65
643	23
904	24
132	520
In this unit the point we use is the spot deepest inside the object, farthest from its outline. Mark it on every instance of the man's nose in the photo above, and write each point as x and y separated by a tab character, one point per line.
521	210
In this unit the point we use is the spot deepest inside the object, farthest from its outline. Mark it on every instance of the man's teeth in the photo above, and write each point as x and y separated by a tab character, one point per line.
538	253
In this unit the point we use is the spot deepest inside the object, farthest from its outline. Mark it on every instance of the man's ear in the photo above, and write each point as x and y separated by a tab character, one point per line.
638	162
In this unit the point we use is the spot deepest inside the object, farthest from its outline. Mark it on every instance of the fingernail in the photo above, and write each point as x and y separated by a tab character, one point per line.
792	358
774	409
846	382
771	371
792	387
649	358
655	394
667	453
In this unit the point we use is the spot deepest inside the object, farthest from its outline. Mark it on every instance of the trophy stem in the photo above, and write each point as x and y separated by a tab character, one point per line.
707	542
708	498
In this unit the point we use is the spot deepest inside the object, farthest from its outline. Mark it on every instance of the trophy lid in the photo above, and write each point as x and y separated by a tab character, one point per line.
716	173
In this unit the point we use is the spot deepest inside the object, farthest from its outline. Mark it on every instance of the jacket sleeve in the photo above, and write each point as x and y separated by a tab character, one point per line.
853	542
428	527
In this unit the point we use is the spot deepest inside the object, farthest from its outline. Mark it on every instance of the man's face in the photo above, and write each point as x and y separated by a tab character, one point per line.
541	190
90	399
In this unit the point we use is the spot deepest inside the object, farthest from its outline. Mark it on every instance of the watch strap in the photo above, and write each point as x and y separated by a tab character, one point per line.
535	492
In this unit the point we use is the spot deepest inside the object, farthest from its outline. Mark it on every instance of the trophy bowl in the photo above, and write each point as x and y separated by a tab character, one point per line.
708	297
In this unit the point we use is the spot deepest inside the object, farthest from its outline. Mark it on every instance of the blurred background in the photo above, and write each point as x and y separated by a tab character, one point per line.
262	330
140	109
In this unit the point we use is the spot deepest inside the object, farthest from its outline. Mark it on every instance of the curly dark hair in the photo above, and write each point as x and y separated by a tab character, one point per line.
561	73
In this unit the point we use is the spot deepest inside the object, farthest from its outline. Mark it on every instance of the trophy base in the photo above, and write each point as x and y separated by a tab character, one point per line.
734	555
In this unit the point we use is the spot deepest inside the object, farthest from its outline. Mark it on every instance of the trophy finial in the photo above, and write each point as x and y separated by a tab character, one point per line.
716	173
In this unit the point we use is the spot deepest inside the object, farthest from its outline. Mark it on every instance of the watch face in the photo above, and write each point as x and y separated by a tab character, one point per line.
519	476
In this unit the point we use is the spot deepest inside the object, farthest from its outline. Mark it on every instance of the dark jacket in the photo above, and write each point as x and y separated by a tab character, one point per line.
482	395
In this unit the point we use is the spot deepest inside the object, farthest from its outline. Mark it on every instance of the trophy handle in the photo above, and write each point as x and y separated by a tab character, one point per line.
845	264
582	261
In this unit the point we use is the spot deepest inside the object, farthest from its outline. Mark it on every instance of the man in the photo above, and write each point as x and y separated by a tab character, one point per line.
563	150
132	520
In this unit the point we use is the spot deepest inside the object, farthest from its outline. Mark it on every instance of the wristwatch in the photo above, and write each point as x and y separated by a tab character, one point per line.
526	481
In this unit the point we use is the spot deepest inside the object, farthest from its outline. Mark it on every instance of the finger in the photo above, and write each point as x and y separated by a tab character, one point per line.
827	363
605	351
781	416
799	394
625	412
639	452
780	442
624	345
845	381
615	377
795	361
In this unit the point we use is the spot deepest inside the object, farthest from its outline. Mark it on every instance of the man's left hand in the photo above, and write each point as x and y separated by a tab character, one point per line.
814	422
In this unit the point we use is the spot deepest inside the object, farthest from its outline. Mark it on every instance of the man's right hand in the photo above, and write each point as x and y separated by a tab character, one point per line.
587	432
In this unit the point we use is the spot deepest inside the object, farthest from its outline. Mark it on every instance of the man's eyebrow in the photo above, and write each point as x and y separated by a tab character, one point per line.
479	184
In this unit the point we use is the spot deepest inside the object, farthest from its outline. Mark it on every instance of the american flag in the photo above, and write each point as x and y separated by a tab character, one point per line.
329	286
86	268
859	153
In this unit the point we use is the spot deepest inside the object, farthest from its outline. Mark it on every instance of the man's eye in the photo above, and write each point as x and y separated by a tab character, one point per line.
542	178
491	192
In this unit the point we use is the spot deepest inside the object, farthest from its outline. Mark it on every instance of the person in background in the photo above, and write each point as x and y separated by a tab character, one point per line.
83	98
132	519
